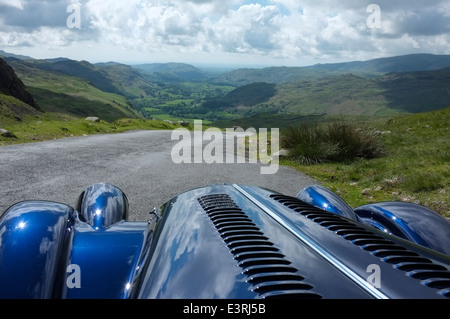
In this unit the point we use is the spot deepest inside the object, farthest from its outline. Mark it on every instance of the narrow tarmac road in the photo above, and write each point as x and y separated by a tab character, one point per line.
138	162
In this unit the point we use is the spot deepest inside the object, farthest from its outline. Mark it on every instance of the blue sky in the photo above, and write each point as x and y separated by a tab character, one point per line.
260	33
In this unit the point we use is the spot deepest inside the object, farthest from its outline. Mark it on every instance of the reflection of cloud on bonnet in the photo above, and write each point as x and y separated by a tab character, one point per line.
188	263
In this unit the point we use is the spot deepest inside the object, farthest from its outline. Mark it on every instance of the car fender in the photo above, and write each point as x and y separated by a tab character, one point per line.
409	221
32	245
322	197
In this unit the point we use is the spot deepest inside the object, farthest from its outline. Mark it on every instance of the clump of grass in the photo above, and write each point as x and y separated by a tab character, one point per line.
331	142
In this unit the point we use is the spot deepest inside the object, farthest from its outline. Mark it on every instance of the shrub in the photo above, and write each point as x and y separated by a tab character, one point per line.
331	142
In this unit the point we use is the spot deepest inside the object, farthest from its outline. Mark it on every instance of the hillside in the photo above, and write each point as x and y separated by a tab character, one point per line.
15	100
348	94
83	70
60	93
4	54
247	95
127	81
171	72
274	75
108	77
344	94
416	92
366	69
404	63
410	92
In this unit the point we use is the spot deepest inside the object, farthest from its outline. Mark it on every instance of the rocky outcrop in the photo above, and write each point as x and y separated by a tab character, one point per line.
6	133
11	85
93	119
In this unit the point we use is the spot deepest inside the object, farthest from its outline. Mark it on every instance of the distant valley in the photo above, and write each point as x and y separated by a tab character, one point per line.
178	91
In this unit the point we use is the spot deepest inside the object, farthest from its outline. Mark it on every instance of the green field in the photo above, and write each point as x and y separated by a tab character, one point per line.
182	101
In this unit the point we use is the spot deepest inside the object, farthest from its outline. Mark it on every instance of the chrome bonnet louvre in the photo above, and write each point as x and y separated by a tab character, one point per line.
431	274
268	271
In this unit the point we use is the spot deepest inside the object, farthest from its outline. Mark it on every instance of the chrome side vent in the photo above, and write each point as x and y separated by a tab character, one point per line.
431	274
267	269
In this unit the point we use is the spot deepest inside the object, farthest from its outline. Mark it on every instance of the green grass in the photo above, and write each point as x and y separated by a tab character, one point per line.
50	126
415	168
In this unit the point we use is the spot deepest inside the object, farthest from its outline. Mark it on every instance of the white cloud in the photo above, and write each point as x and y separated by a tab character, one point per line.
307	31
12	3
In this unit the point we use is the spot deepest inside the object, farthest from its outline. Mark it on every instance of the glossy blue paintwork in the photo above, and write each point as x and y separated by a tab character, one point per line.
110	260
406	220
103	238
189	260
102	205
183	253
323	198
40	240
32	239
409	221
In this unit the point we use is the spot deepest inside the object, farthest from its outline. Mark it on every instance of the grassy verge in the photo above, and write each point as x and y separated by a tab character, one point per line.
50	126
415	168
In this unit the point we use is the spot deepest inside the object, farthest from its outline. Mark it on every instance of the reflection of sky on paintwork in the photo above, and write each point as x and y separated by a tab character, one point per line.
33	229
189	265
103	205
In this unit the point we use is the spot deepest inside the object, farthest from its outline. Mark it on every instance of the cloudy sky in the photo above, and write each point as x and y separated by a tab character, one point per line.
238	32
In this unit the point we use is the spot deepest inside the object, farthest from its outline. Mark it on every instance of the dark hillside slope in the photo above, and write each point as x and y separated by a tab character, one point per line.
127	81
416	92
10	84
14	98
247	95
83	70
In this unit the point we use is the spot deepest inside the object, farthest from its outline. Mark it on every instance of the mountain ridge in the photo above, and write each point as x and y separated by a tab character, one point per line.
368	69
375	87
170	72
61	90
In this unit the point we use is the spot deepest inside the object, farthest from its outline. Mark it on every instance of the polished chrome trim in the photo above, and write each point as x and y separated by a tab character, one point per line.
314	246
